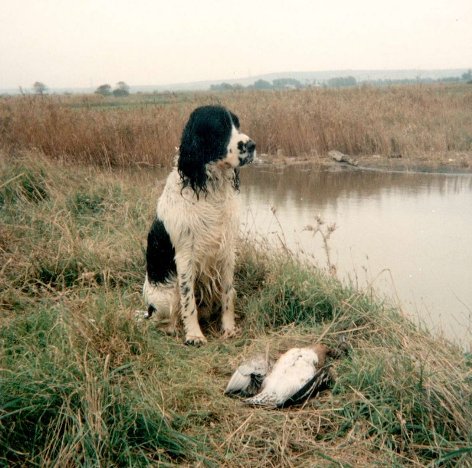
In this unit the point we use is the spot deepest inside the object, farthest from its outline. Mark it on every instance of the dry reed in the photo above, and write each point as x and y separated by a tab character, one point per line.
145	129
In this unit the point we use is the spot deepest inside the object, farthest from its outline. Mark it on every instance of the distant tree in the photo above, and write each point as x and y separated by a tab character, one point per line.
122	89
286	83
104	90
340	82
39	88
221	87
262	84
467	76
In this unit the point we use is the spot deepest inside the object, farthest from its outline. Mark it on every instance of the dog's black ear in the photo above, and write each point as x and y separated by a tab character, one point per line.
192	160
205	138
235	120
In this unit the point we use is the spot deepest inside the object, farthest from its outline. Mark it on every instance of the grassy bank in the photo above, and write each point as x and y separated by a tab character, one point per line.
82	384
416	121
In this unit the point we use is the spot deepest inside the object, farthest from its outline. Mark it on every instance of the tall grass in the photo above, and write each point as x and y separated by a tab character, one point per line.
65	403
82	384
410	120
73	386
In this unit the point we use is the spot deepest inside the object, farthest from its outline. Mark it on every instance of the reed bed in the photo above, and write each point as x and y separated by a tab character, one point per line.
82	384
415	120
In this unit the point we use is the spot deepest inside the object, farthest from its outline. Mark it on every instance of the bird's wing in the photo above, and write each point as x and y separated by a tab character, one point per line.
320	381
290	374
238	382
249	376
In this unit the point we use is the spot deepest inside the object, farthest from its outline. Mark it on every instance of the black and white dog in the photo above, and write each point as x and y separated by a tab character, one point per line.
191	245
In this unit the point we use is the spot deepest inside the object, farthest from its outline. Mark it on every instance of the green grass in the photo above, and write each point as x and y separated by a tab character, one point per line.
65	401
81	384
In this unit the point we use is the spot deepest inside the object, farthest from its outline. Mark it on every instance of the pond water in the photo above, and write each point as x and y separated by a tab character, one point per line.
407	235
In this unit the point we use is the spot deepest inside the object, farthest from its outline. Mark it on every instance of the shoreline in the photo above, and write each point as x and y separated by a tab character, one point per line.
461	164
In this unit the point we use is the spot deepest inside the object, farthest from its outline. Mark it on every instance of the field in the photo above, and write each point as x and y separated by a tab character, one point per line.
423	122
83	384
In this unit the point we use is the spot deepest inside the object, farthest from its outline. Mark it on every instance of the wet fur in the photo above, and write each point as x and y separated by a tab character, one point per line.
191	244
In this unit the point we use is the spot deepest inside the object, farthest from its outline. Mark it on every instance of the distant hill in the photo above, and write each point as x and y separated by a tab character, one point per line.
310	76
303	77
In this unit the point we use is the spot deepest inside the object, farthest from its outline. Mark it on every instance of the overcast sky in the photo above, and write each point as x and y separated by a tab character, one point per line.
81	43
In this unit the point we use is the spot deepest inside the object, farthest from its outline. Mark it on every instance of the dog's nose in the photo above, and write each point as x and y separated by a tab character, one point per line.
251	146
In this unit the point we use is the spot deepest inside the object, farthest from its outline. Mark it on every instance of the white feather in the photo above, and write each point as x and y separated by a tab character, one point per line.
250	373
291	373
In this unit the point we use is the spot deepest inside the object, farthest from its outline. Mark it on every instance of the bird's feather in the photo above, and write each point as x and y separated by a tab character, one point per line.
249	376
294	377
319	382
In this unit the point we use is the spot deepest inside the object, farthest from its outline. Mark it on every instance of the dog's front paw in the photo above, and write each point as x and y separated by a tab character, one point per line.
195	340
230	332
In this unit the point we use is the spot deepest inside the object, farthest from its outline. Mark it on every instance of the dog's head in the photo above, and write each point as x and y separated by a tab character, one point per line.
212	137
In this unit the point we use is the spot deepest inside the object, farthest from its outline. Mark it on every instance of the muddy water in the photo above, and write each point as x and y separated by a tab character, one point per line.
407	235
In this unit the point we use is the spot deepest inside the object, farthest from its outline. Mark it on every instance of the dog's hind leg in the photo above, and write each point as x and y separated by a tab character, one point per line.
159	300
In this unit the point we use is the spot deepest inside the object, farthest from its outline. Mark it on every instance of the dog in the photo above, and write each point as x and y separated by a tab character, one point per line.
190	253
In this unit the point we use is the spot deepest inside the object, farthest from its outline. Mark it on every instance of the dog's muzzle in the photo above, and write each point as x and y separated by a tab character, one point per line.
250	150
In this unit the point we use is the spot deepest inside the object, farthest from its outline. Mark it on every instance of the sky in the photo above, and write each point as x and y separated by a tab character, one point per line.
86	43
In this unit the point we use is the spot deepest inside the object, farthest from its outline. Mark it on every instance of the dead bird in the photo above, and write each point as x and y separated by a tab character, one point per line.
296	376
248	378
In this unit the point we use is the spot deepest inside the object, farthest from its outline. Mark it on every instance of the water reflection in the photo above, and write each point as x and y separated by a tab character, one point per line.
307	182
408	234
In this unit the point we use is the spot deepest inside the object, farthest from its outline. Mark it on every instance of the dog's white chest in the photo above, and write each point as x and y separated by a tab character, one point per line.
207	224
